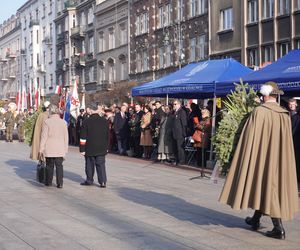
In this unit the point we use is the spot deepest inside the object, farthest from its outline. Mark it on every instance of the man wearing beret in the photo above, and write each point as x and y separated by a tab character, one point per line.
262	175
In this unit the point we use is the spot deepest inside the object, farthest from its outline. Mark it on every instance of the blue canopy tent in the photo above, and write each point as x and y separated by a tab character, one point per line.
285	72
196	80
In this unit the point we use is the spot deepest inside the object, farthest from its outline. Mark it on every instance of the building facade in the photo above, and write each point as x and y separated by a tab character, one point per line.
111	19
266	30
10	70
165	35
38	46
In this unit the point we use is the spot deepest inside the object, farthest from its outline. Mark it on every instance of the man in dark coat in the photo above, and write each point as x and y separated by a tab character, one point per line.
179	131
136	134
94	138
295	118
121	127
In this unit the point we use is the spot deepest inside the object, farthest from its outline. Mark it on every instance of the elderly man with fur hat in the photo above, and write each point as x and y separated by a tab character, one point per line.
36	138
262	175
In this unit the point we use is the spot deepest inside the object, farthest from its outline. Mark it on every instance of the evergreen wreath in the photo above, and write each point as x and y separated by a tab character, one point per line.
238	106
29	126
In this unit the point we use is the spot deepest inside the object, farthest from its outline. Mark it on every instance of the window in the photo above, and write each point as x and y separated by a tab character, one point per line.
161	57
283	49
283	7
197	7
44	57
168	55
91	44
90	15
51	55
226	19
253	57
193	8
297	44
59	54
268	54
83	21
101	72
201	47
252	11
139	62
192	49
31	60
122	70
37	14
50	7
44	32
298	5
145	62
58	29
111	71
180	7
167	20
111	39
123	35
91	74
268	8
44	10
141	24
37	36
101	42
51	80
161	17
31	37
164	16
51	29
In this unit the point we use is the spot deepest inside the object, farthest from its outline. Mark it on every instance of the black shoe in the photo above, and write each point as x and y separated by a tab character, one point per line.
48	185
103	185
85	183
59	186
278	230
254	224
11	141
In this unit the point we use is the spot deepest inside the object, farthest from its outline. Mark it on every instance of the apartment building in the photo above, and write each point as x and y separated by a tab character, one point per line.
10	71
265	31
166	35
38	46
111	18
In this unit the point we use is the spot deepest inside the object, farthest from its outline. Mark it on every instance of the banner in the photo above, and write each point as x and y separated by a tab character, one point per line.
75	103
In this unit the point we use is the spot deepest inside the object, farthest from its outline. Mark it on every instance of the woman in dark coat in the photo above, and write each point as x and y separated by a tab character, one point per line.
166	143
202	127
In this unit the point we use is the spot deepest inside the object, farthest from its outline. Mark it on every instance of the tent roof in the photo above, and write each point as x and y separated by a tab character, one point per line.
194	80
285	72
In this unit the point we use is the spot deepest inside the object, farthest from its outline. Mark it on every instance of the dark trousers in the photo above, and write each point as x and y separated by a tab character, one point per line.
50	163
138	149
99	162
180	154
122	145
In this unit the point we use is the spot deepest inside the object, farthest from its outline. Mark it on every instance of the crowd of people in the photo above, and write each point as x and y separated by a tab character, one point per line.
153	131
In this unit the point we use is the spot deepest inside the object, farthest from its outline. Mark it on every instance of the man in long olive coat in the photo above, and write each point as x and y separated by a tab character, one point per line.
36	139
262	175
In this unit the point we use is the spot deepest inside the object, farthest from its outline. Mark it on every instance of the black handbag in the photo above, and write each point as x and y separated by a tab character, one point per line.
41	172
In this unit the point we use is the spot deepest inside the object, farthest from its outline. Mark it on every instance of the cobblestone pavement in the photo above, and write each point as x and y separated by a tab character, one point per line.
145	206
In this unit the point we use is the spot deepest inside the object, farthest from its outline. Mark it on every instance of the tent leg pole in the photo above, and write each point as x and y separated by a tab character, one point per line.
167	99
213	127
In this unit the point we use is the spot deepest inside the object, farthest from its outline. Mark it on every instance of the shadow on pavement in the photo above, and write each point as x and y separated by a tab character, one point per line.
27	170
181	209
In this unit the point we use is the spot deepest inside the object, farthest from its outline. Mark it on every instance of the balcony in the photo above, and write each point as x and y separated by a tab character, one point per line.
78	32
90	56
34	23
10	54
41	68
12	75
60	65
70	4
4	79
79	60
48	40
60	38
3	59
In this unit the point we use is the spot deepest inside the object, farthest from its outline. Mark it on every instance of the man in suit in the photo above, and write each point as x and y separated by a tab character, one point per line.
94	138
295	119
138	149
121	128
179	131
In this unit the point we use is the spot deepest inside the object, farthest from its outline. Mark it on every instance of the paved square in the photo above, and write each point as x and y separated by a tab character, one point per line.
145	206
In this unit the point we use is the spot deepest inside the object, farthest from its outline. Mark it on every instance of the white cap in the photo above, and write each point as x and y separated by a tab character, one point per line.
46	104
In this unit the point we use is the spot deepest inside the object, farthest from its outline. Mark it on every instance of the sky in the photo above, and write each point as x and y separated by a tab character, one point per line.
9	8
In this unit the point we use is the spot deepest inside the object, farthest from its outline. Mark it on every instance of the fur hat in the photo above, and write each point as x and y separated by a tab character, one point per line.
270	88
